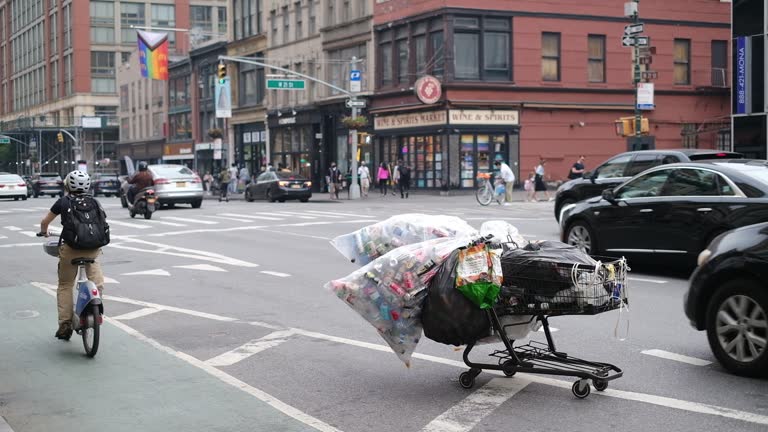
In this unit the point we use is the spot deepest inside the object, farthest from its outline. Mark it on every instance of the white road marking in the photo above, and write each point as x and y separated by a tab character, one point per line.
201	267
249	228
109	280
28	233
251	216
272	230
676	357
230	218
326	213
325	223
13	228
127	224
19	245
164	249
136	314
551	329
26	210
196	221
3	237
465	415
274	273
250	348
161	222
4	426
293	214
154	272
662	401
656	281
4	211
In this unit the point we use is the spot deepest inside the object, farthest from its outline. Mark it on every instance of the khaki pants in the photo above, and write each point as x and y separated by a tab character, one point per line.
67	274
508	191
365	185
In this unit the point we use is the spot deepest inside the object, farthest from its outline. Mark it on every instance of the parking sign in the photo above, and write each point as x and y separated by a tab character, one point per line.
355	81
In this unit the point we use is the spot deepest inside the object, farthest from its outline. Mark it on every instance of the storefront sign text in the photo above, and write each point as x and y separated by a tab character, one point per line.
431	118
287	120
484	117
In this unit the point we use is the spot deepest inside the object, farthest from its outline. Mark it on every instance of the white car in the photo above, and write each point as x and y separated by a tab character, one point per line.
174	184
13	186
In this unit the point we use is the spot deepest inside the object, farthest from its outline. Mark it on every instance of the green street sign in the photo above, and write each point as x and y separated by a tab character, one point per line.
5	140
285	84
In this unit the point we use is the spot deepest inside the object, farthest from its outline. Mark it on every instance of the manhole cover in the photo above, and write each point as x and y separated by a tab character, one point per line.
25	314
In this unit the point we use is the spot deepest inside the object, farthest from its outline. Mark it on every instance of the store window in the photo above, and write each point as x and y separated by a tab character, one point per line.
477	153
291	147
424	154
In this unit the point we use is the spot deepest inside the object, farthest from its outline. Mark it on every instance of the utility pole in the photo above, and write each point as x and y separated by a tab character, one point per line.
636	72
354	188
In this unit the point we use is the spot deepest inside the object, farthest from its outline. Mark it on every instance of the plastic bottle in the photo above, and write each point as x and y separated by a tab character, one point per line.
384	312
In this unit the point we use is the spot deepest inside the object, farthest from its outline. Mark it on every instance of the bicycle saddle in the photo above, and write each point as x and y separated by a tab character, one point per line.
83	261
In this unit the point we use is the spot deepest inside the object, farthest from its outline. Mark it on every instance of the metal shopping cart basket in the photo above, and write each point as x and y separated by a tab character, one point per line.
544	290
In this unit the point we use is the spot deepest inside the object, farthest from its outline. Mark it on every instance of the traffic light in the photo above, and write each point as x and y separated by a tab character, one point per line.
222	69
60	137
625	126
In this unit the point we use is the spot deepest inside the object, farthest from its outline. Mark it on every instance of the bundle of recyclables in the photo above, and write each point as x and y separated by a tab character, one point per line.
463	287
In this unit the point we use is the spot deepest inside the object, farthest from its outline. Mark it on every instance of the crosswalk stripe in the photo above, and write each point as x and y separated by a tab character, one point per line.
230	218
13	228
296	215
325	213
159	222
4	211
3	237
24	210
251	216
137	314
202	222
126	224
28	233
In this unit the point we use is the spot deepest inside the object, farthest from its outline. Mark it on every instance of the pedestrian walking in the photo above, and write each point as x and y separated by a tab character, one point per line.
392	181
207	182
539	185
508	177
233	178
530	186
365	178
403	179
334	181
577	170
225	180
245	178
383	178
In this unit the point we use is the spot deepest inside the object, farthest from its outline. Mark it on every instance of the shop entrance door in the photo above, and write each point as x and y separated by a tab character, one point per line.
478	153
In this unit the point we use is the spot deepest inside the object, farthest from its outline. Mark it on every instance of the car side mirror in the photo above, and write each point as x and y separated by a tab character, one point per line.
609	196
592	175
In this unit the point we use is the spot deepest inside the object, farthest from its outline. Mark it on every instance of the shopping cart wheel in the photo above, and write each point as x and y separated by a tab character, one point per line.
509	368
581	389
467	380
600	385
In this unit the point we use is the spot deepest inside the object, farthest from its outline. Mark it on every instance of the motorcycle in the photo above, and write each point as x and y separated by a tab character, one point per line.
144	203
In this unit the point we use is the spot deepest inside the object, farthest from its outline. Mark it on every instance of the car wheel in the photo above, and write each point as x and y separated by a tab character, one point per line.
248	196
197	203
24	198
304	200
270	198
15	198
737	327
107	195
565	202
61	194
579	234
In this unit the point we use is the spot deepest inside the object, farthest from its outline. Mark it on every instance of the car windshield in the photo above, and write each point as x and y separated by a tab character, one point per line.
289	176
172	171
10	178
105	177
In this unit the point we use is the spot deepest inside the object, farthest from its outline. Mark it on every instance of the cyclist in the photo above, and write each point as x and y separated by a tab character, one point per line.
142	179
76	184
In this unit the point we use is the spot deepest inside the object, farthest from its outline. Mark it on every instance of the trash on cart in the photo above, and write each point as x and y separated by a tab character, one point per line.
502	232
373	241
478	274
389	292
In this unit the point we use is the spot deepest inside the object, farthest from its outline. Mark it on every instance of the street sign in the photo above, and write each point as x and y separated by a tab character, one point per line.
5	140
286	84
640	41
646	60
645	96
633	29
647	51
355	81
649	75
359	103
223	98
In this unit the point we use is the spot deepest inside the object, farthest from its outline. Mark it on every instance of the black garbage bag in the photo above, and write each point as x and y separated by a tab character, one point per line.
448	316
542	269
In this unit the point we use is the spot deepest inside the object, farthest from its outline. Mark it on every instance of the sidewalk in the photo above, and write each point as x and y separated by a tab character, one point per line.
517	195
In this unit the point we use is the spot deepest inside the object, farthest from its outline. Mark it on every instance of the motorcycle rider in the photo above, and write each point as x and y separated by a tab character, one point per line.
76	184
142	179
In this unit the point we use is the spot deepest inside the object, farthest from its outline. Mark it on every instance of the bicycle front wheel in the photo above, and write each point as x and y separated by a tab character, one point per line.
484	194
90	331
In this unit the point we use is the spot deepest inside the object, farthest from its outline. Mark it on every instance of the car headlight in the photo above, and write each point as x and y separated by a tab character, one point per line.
704	257
566	208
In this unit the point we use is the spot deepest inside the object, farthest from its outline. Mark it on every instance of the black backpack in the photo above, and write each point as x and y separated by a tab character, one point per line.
405	172
85	223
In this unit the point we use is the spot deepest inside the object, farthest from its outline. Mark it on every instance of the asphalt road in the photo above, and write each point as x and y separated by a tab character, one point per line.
218	320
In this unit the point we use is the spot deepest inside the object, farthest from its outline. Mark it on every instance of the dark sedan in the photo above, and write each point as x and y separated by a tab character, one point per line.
670	213
728	297
105	184
624	166
279	186
47	184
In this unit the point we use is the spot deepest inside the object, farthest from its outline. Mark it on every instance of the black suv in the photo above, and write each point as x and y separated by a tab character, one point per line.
624	166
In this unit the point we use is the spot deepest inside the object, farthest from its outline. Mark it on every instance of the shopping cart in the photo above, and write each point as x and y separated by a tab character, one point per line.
544	290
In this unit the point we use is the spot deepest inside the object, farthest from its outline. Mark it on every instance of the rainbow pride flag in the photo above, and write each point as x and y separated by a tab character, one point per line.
153	55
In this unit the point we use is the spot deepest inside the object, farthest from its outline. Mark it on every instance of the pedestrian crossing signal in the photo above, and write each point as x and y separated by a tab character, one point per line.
60	137
222	72
625	126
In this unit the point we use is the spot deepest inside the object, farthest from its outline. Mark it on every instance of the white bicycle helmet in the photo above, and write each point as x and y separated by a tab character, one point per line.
77	182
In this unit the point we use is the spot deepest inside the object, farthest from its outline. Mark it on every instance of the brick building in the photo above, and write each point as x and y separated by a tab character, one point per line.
528	79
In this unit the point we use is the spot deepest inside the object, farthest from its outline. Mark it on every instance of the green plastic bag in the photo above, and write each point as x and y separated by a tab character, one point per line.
478	275
482	294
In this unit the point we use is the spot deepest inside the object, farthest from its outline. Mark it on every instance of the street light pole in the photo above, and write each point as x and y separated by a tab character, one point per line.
354	188
636	74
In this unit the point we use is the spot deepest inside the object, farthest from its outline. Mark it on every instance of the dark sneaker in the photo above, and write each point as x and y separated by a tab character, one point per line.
64	332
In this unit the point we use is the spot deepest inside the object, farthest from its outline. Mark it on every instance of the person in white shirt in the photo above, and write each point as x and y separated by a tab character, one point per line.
508	177
365	178
233	178
539	185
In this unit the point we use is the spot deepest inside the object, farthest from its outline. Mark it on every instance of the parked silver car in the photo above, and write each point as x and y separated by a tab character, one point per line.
174	184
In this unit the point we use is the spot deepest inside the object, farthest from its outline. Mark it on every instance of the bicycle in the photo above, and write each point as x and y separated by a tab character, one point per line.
88	306
486	192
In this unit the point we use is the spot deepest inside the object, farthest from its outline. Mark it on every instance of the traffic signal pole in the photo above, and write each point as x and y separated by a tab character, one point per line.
636	75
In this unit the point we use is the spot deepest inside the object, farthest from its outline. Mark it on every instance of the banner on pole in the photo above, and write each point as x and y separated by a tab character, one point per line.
223	98
743	60
153	55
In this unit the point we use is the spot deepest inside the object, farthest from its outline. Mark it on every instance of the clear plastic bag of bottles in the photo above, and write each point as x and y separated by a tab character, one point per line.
389	292
373	241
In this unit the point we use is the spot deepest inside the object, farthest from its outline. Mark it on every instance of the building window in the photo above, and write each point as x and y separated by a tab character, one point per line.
340	67
482	52
247	18
103	72
67	74
719	63
363	8
157	124
102	23
125	129
331	13
180	126
251	86
385	48
273	24
682	73
596	58
67	26
178	92
550	56
165	16
124	98
201	17
437	56
298	15
402	60
222	23
131	14
420	53
286	24
690	137
312	18
496	64
345	11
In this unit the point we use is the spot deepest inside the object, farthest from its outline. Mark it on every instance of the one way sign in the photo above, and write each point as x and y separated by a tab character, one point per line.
633	29
641	41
